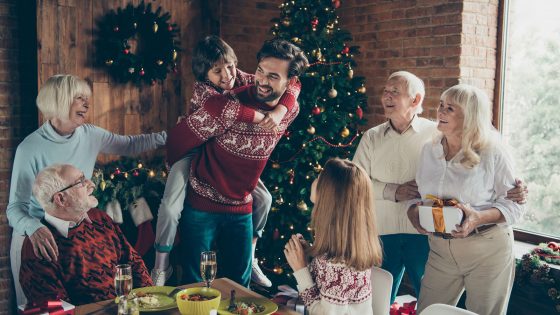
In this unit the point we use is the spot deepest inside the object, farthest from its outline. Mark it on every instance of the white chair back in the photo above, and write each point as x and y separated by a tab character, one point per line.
381	284
444	309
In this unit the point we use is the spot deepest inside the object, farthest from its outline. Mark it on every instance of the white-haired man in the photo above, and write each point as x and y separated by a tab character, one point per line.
389	153
89	244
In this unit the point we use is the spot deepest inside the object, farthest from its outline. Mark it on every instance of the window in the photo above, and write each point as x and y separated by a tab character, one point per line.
530	106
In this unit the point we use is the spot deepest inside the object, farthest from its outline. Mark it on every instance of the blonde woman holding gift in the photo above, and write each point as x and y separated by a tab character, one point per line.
468	162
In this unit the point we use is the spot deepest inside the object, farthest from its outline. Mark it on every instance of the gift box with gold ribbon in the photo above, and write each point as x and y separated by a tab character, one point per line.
439	215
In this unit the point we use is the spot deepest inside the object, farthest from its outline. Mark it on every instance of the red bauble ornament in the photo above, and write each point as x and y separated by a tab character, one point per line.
316	110
126	51
275	234
359	112
315	22
345	50
336	4
170	28
117	172
142	72
287	133
135	173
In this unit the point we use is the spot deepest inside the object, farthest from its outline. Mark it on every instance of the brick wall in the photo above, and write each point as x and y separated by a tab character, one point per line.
478	57
245	26
18	116
443	42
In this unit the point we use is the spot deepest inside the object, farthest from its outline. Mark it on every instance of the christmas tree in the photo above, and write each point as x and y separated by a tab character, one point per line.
331	109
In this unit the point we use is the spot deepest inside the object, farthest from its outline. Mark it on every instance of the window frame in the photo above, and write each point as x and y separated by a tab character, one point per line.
501	59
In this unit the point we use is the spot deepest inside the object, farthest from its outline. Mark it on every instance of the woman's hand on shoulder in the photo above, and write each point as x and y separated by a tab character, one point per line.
44	245
295	253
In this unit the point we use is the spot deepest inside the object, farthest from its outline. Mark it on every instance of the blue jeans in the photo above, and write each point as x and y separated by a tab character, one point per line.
199	231
405	251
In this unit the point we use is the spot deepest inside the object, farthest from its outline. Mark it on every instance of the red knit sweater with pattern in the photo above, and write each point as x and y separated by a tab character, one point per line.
234	151
84	272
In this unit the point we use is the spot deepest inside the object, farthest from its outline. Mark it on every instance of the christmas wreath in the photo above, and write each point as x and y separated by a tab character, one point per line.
137	45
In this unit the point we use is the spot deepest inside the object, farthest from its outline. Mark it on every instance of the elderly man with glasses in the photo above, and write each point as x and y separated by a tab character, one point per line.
89	244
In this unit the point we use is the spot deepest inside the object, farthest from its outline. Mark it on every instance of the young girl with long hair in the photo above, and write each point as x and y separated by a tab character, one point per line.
346	244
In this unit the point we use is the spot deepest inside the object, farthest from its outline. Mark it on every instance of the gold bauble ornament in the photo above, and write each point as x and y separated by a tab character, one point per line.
362	89
317	168
280	201
318	54
278	270
174	54
311	130
333	93
102	185
273	209
350	73
286	22
155	27
302	206
345	132
159	62
109	62
275	165
296	40
338	56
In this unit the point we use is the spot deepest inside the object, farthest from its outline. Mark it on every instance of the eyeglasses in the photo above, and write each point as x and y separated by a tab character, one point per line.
81	181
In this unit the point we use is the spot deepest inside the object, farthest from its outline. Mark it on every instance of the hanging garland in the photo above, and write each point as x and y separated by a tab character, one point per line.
137	45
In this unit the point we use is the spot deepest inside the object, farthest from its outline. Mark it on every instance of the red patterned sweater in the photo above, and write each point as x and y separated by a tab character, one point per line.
334	288
84	272
235	151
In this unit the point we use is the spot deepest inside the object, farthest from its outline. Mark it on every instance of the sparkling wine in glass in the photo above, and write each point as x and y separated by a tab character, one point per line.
123	280
208	267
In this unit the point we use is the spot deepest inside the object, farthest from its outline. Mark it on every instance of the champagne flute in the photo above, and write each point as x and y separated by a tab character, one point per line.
208	267
123	280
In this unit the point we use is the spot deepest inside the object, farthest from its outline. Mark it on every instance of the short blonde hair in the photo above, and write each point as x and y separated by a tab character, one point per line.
343	217
47	183
414	85
477	122
58	93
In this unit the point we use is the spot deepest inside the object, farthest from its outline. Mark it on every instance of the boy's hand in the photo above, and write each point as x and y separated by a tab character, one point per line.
272	119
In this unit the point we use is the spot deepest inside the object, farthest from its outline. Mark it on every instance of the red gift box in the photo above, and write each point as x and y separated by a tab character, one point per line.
59	307
406	309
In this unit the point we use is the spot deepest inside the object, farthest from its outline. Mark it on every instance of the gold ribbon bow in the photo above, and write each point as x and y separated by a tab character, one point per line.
437	211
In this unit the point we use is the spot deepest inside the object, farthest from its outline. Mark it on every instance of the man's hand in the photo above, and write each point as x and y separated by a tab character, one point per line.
407	191
295	255
518	193
44	245
470	221
414	217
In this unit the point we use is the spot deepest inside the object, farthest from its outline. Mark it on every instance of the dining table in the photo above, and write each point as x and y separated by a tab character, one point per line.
224	285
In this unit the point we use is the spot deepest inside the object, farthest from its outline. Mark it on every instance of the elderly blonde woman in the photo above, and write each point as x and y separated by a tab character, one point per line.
467	162
63	138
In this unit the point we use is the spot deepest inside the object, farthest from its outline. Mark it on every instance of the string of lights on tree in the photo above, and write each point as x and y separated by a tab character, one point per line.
137	45
127	179
332	103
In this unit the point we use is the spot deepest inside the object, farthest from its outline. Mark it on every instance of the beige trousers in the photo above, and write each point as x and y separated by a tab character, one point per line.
482	264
